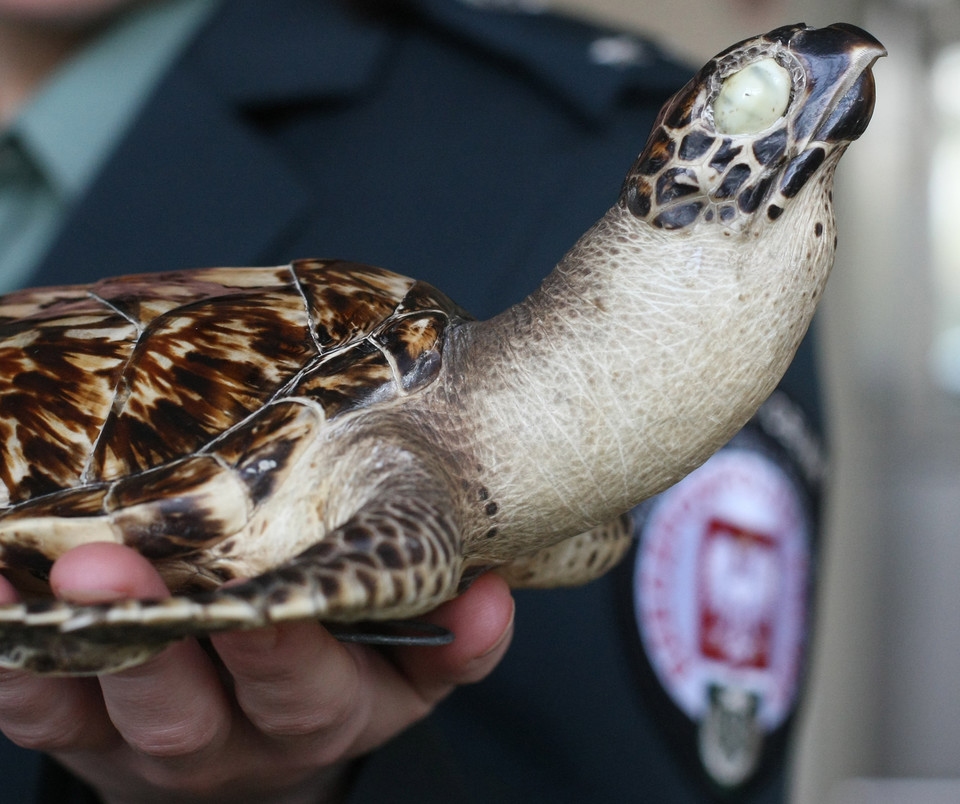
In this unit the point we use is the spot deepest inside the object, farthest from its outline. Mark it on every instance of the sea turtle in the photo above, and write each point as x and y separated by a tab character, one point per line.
357	447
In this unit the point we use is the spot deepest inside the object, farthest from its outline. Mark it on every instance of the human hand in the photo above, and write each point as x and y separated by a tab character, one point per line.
280	721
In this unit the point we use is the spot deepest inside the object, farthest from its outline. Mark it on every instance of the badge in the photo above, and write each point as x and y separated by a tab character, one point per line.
721	587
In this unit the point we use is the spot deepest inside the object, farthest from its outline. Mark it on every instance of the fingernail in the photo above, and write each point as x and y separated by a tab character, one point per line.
86	597
504	637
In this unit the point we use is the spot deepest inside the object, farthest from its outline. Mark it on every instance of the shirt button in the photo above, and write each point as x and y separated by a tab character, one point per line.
617	51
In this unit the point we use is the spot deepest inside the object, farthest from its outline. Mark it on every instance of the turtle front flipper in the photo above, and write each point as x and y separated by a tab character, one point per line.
397	557
34	637
573	561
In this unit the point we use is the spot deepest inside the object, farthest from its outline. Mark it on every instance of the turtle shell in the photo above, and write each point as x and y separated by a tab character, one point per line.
122	401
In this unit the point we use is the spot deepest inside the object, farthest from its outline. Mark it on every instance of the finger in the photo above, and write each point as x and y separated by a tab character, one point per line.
100	572
53	714
172	705
409	685
8	594
296	681
482	622
50	714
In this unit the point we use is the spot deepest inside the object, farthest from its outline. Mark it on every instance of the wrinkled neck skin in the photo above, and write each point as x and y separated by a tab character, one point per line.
639	356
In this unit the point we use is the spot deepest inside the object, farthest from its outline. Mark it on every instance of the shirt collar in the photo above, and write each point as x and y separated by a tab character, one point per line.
590	67
338	48
70	126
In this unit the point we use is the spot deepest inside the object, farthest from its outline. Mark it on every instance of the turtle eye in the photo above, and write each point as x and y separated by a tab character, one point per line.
752	99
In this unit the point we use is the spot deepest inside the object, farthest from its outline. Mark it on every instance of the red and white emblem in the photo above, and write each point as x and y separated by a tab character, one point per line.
720	585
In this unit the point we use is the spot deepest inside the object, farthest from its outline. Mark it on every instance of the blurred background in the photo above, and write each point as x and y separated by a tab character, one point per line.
882	719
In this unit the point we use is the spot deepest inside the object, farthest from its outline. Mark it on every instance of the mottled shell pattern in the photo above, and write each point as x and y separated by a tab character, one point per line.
121	403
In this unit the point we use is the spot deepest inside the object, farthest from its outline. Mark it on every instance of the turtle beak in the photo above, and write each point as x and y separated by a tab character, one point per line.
840	87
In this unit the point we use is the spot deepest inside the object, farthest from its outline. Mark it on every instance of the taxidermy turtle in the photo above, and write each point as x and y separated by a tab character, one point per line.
358	448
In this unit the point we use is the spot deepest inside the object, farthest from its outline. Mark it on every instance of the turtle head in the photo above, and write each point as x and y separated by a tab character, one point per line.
753	126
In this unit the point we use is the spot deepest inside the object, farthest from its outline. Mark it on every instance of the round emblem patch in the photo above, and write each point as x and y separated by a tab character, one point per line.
720	595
